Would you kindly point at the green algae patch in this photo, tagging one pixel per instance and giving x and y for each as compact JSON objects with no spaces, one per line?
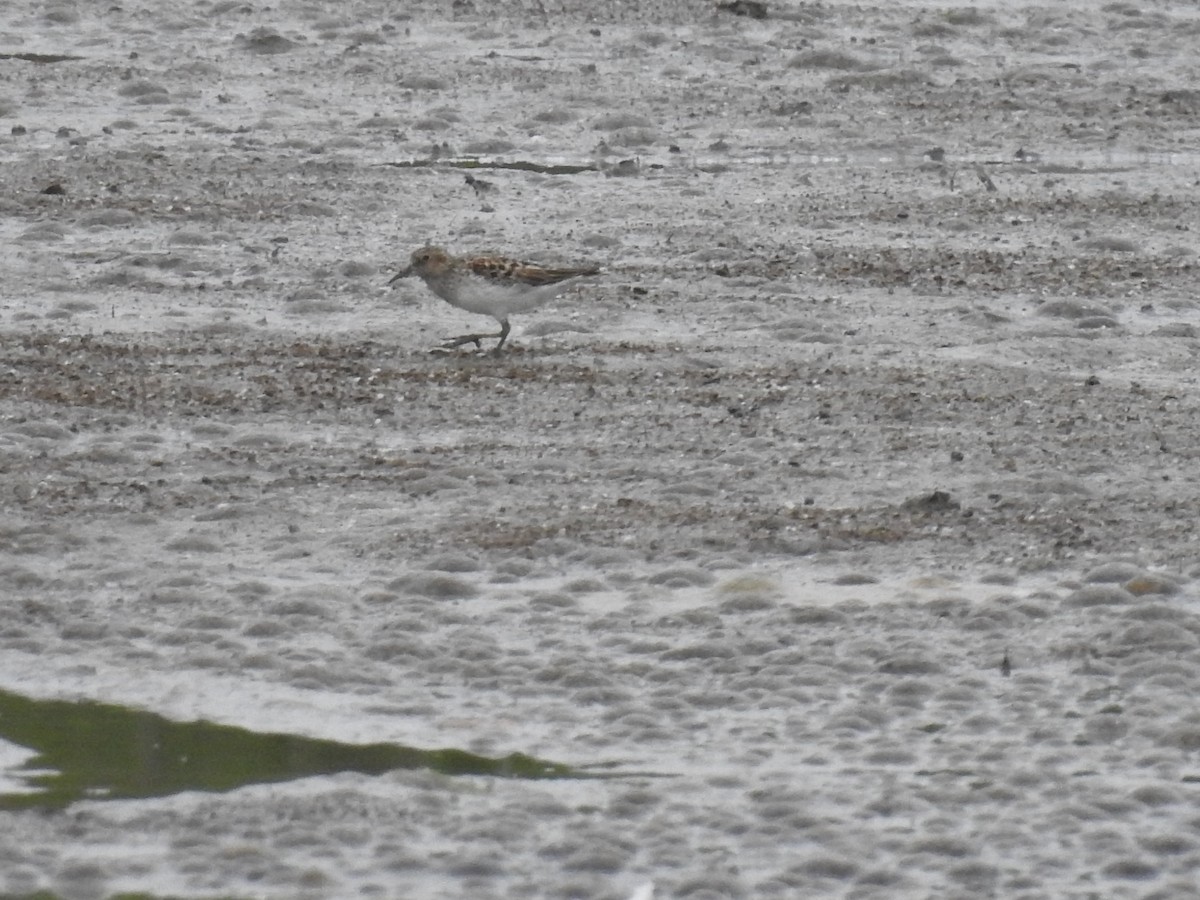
{"x":101,"y":751}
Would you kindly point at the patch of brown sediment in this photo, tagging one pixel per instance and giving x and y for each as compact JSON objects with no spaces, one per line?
{"x":621,"y":449}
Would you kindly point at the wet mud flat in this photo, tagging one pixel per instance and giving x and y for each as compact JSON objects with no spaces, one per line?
{"x":846,"y":523}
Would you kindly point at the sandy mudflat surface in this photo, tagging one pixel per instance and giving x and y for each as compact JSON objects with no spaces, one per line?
{"x":891,"y":369}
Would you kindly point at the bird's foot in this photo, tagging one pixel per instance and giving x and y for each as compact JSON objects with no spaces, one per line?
{"x":451,"y":342}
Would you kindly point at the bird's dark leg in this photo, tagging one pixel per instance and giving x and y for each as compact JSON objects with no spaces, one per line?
{"x":503,"y":336}
{"x":451,"y":343}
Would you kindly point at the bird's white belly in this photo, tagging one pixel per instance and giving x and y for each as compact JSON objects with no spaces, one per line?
{"x":496,"y":300}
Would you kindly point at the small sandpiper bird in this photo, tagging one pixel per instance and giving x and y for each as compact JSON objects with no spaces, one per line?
{"x":493,"y":286}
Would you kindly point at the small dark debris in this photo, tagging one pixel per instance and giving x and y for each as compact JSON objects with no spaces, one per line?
{"x":55,"y":189}
{"x":41,"y":58}
{"x":623,"y":169}
{"x":794,"y":108}
{"x":1185,"y":98}
{"x":935,"y":501}
{"x":1092,"y":381}
{"x":479,"y":186}
{"x":751,"y":9}
{"x":1005,"y":665}
{"x":986,"y":179}
{"x":956,"y":456}
{"x":936,"y":154}
{"x":265,"y":41}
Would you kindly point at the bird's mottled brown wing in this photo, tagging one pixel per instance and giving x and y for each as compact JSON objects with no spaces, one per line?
{"x":499,"y":268}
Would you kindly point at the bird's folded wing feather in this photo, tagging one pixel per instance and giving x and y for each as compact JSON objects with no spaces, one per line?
{"x":498,"y":268}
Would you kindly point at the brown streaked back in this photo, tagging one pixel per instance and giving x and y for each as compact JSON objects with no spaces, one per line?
{"x":499,"y":268}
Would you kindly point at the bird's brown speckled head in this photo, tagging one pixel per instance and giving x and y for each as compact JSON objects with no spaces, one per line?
{"x":427,"y":262}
